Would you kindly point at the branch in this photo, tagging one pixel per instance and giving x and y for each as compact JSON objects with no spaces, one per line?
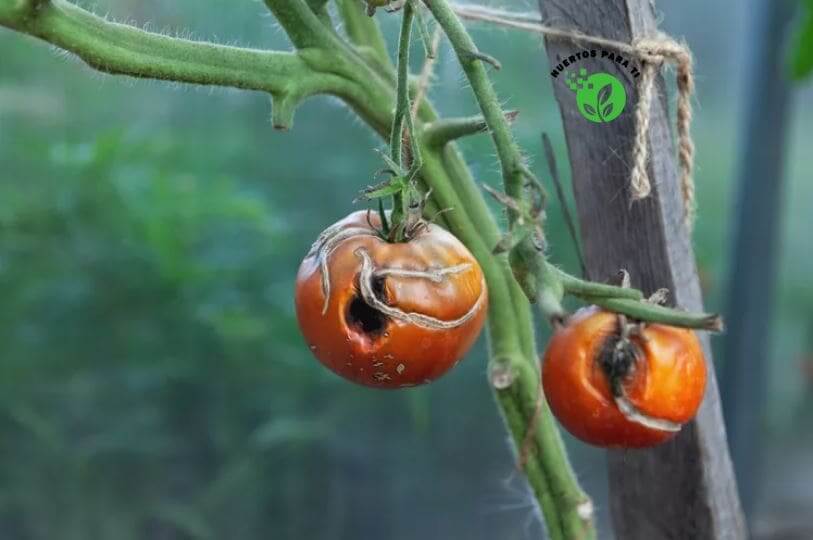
{"x":302,"y":25}
{"x":402,"y":106}
{"x":588,"y":289}
{"x":365,"y":34}
{"x":124,"y":50}
{"x":441,"y":132}
{"x":654,"y":313}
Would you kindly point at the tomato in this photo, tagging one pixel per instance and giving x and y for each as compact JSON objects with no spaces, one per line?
{"x":389,"y":315}
{"x":622,"y":391}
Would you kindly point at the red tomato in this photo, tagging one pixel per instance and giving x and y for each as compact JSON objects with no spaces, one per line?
{"x":389,"y":315}
{"x":622,"y":392}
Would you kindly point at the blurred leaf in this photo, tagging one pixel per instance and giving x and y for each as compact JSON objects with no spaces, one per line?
{"x":802,"y":44}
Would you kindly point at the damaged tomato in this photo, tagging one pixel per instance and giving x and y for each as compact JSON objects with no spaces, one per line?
{"x":389,"y":315}
{"x":618,"y":384}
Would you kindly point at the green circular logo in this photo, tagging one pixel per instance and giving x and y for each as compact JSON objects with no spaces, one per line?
{"x":600,"y":97}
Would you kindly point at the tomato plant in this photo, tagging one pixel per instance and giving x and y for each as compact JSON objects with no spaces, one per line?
{"x":403,"y":307}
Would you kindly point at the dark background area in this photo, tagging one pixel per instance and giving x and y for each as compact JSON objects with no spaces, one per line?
{"x":153,"y":383}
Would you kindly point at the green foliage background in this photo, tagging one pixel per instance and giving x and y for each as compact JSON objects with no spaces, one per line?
{"x":153,"y":383}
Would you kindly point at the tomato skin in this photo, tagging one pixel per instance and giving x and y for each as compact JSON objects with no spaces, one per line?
{"x":359,"y":342}
{"x":667,"y":382}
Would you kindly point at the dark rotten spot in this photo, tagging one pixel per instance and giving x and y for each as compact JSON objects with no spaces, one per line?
{"x":617,"y":359}
{"x":365,"y":318}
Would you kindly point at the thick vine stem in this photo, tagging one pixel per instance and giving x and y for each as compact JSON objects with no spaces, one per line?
{"x":527,"y":263}
{"x":303,"y":25}
{"x":364,"y":33}
{"x":121,"y":49}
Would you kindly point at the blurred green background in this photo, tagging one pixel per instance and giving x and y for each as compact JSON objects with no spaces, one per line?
{"x":153,"y":383}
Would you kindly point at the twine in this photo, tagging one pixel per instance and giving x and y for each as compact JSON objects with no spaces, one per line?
{"x":652,"y":52}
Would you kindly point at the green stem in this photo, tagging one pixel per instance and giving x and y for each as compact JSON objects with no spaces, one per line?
{"x":645,"y":311}
{"x":402,"y":108}
{"x":402,"y":86}
{"x":588,"y":289}
{"x":556,"y":474}
{"x":467,"y":54}
{"x":121,"y":49}
{"x":444,"y":131}
{"x":303,"y":26}
{"x":364,"y":32}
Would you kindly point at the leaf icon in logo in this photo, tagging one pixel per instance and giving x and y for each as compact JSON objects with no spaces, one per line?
{"x":605,"y":101}
{"x":602,"y":99}
{"x":604,"y":94}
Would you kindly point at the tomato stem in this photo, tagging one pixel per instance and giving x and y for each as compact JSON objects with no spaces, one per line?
{"x":649,"y":312}
{"x":404,"y":141}
{"x":588,"y":289}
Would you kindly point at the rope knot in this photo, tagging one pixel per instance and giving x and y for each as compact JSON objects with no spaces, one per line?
{"x":653,"y":52}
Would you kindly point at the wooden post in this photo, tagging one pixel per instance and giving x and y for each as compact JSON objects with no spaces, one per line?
{"x":685,"y":488}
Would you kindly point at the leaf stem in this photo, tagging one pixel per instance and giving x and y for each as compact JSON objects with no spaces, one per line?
{"x":442,"y":132}
{"x":591,"y":290}
{"x":653,"y":313}
{"x":402,"y":112}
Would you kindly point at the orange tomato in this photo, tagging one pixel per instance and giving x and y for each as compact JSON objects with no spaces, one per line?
{"x":629,"y":392}
{"x":389,"y":315}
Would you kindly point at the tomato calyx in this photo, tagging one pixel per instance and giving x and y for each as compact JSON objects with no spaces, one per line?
{"x":400,"y":224}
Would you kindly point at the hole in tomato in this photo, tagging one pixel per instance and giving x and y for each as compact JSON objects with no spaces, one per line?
{"x":617,"y":358}
{"x":366,"y":318}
